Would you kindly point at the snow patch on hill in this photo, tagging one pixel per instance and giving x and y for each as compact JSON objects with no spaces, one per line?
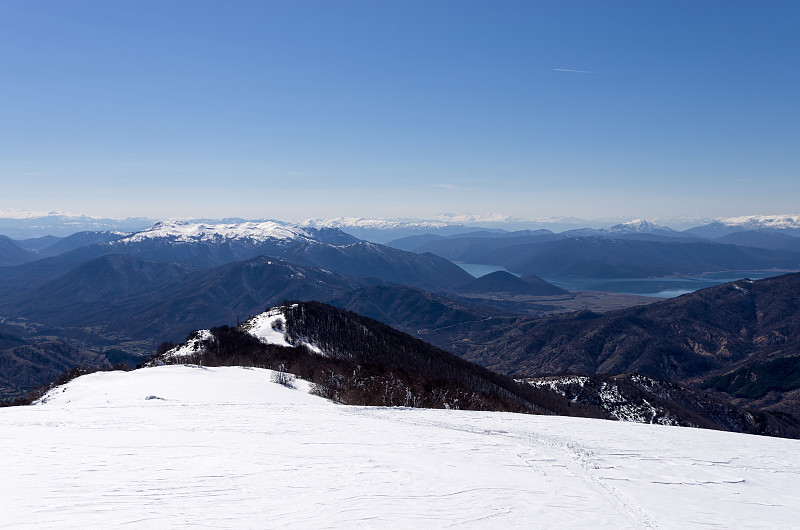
{"x":193,"y":346}
{"x":269,"y":327}
{"x":608,"y":397}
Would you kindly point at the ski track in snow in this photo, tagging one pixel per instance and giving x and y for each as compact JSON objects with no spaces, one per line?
{"x":226,"y":448}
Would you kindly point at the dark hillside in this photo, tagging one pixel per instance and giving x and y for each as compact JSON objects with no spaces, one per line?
{"x":123,"y":297}
{"x":415,"y":308}
{"x":29,"y":366}
{"x":617,"y":258}
{"x":13,"y":254}
{"x":476,"y":249}
{"x":693,"y":337}
{"x":505,"y":282}
{"x":78,"y":240}
{"x":634,"y":397}
{"x":37,"y":243}
{"x":368,"y":363}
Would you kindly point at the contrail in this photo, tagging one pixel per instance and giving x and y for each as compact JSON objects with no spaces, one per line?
{"x":573,"y":71}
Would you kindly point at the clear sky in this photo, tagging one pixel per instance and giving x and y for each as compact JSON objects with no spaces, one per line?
{"x":400,"y":109}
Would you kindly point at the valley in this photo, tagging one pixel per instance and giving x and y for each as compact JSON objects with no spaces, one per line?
{"x":105,"y":298}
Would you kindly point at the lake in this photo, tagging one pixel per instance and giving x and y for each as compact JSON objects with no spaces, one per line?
{"x":657,"y":287}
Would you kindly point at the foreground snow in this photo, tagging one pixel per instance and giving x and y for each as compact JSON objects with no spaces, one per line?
{"x":226,"y":448}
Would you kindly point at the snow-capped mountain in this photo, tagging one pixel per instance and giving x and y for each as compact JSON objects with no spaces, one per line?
{"x":385,"y":230}
{"x":378,"y":224}
{"x":225,"y":447}
{"x":787,"y":223}
{"x":640,"y":226}
{"x":636,"y":226}
{"x":247,"y":232}
{"x":206,"y":245}
{"x":446,"y":224}
{"x":192,"y":232}
{"x":325,"y":247}
{"x":760,"y":222}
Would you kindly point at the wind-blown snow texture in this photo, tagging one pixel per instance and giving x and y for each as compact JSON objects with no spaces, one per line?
{"x":226,"y":448}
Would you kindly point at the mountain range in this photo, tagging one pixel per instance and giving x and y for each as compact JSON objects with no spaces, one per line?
{"x":122,"y":294}
{"x":204,"y":246}
{"x":610,"y":255}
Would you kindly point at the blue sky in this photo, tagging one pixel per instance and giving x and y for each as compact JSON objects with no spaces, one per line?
{"x":400,"y":109}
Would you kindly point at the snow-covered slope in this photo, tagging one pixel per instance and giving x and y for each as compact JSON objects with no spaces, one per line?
{"x":269,"y":327}
{"x":178,"y":446}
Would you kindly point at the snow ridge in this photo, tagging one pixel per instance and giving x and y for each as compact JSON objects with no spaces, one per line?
{"x":755,"y":222}
{"x":188,"y":232}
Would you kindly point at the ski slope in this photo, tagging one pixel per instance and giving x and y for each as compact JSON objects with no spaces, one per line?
{"x":183,"y":446}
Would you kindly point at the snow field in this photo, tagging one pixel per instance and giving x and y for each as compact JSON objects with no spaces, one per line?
{"x":178,"y":446}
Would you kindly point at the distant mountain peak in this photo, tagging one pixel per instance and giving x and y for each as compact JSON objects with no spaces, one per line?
{"x":187,"y":231}
{"x":635,"y":226}
{"x":639,"y":225}
{"x":13,"y":213}
{"x":379,"y":224}
{"x":786,"y":223}
{"x":755,"y":222}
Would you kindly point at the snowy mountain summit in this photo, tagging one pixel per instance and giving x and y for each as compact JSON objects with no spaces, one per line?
{"x":764,"y":222}
{"x":185,"y":231}
{"x":636,"y":226}
{"x":788,"y":224}
{"x":639,"y":226}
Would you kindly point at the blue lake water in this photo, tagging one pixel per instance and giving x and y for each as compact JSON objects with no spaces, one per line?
{"x":658,"y":287}
{"x":478,"y":270}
